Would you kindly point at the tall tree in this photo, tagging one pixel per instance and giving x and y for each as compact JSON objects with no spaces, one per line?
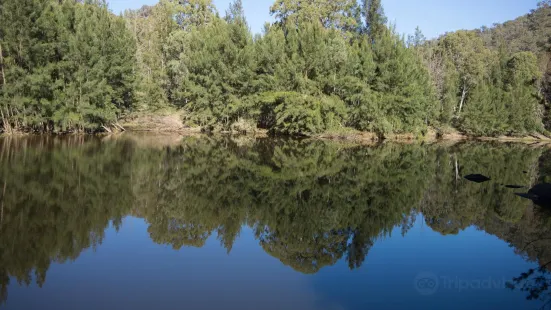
{"x":522,"y":76}
{"x":337,"y":14}
{"x":193,"y":13}
{"x":151,"y":28}
{"x":375,"y":18}
{"x":468,"y":55}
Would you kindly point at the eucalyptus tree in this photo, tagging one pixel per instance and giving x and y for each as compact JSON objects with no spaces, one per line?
{"x":468,"y":54}
{"x":193,"y":13}
{"x":337,"y":14}
{"x":521,"y":79}
{"x":151,"y":28}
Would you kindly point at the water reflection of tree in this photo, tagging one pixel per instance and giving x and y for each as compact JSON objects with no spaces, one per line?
{"x":307,"y":200}
{"x":452,"y":204}
{"x":532,"y":239}
{"x":310,"y":204}
{"x":60,"y":196}
{"x":536,"y":283}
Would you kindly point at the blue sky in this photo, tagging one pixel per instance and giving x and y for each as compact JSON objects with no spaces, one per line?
{"x":434,"y":17}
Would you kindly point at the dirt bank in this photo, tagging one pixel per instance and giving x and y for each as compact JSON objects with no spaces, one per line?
{"x":171,"y":122}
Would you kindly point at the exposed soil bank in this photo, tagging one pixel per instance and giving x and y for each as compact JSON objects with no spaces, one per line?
{"x":170,"y":122}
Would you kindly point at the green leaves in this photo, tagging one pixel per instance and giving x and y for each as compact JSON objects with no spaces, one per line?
{"x":70,"y":70}
{"x":74,"y":66}
{"x":505,"y":101}
{"x":335,"y":14}
{"x":298,"y":114}
{"x":189,"y":14}
{"x":212,"y":71}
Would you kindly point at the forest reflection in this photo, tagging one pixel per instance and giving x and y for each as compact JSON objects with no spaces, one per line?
{"x":310,"y":203}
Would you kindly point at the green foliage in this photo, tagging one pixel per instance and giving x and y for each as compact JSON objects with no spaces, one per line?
{"x":67,"y":65}
{"x":190,"y":14}
{"x":522,"y":76}
{"x":375,"y":19}
{"x":338,"y":14}
{"x":151,"y":27}
{"x":479,"y":80}
{"x":509,"y":90}
{"x":315,"y":69}
{"x":211,"y":69}
{"x":73,"y":66}
{"x":293,"y":113}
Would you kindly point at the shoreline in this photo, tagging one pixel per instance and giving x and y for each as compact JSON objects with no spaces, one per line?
{"x":361,"y":137}
{"x":430,"y":138}
{"x":170,"y":123}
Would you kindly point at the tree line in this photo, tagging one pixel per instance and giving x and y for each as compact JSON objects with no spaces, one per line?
{"x":321,"y":66}
{"x":65,"y":65}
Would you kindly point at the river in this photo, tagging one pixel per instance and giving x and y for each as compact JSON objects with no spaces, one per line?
{"x":212,"y":222}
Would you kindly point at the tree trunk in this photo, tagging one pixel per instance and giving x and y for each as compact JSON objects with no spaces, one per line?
{"x":106,"y":129}
{"x":12,"y":115}
{"x":456,"y":172}
{"x":3,"y":119}
{"x":2,"y":67}
{"x":2,"y":206}
{"x":117,"y":125}
{"x":463,"y":95}
{"x":456,"y":169}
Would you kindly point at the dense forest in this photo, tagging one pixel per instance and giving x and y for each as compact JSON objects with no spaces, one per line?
{"x":73,"y":66}
{"x":213,"y":187}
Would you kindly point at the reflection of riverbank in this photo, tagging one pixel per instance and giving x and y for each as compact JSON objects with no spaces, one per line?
{"x":310,"y":203}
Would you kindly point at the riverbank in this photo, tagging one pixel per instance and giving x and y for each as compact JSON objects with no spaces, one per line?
{"x":171,"y":122}
{"x":430,"y":137}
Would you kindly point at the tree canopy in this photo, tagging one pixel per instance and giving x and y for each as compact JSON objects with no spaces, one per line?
{"x":321,"y":66}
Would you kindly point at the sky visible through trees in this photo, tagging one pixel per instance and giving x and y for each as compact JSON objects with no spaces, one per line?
{"x":438,"y":16}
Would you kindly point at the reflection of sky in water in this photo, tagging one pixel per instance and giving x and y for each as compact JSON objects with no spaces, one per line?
{"x":129,"y":271}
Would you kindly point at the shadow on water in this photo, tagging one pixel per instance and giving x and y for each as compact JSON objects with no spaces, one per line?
{"x":60,"y":194}
{"x":540,"y":195}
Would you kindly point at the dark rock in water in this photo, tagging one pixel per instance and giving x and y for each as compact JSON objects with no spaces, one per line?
{"x":525,"y":172}
{"x":514,"y":186}
{"x":539,"y":194}
{"x":478,"y":178}
{"x":542,"y":191}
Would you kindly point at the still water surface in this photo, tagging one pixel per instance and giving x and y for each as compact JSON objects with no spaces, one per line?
{"x":163,"y":222}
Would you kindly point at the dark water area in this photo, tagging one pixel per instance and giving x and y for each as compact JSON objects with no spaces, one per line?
{"x":162,"y":222}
